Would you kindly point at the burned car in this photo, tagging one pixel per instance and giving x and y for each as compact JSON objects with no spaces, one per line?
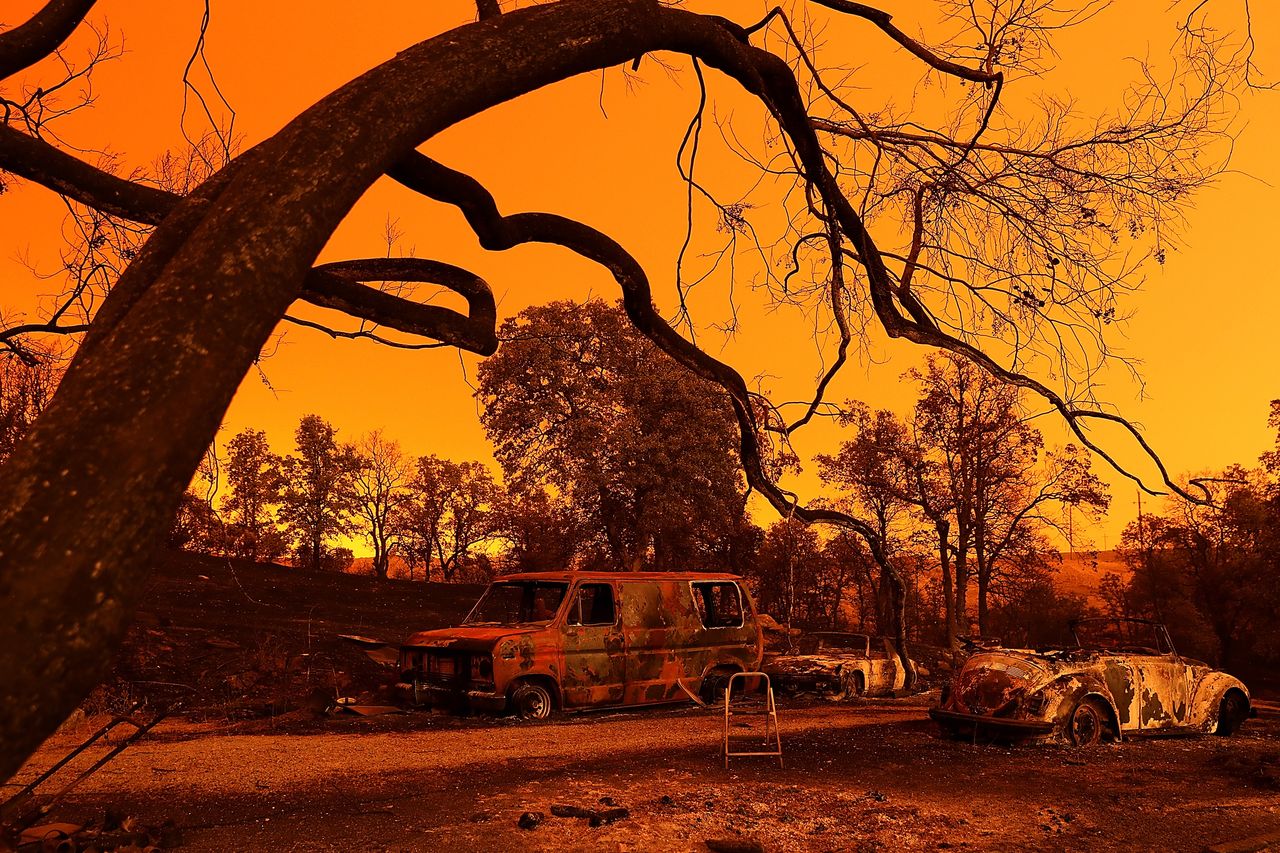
{"x":838,"y":665}
{"x":544,"y":641}
{"x":1121,"y":678}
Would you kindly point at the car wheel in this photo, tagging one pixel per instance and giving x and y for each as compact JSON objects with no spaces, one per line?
{"x":532,"y":701}
{"x":855,"y":685}
{"x":1231,"y":713}
{"x":1085,"y":724}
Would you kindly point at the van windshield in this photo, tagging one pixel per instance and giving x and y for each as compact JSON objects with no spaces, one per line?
{"x":518,"y":603}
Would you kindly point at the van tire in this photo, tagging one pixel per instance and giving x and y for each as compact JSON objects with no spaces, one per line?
{"x":713,"y":686}
{"x":532,"y":701}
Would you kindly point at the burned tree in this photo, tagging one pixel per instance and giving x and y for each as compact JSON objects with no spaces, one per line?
{"x":380,"y":473}
{"x":91,"y":491}
{"x":448,"y":509}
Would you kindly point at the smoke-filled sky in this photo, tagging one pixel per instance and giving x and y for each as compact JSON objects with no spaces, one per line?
{"x":602,"y":148}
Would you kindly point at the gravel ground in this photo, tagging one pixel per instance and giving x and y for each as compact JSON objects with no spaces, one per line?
{"x":868,"y":776}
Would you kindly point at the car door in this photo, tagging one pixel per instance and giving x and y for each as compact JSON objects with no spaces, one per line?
{"x":594,"y":651}
{"x":1163,"y":695}
{"x":893,"y":677}
{"x":1123,"y":680}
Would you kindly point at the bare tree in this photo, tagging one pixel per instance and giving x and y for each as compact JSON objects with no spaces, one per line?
{"x":381,"y":471}
{"x":1001,"y":250}
{"x":28,"y":378}
{"x":449,"y":508}
{"x":971,"y":465}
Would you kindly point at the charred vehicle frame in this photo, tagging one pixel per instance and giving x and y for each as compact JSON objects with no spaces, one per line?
{"x":838,"y":664}
{"x":547,"y":641}
{"x":1123,"y":678}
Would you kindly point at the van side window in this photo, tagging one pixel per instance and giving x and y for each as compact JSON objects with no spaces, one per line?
{"x":719,"y":603}
{"x":593,"y":605}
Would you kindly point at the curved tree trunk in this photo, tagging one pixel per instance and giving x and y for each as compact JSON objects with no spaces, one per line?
{"x":88,"y":496}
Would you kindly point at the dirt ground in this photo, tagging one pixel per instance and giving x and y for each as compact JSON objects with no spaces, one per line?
{"x":248,"y":764}
{"x":869,"y":776}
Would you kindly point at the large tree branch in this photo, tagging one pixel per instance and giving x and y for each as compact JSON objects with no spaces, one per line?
{"x":25,"y":45}
{"x":498,"y":232}
{"x":884,"y":21}
{"x":338,"y":286}
{"x":37,"y":160}
{"x":87,"y":497}
{"x":334,"y":286}
{"x":771,"y":79}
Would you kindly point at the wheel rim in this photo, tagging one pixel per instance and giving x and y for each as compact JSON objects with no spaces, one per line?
{"x":1086,"y":726}
{"x":535,"y":703}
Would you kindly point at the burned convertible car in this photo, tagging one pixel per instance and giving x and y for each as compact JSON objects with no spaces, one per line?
{"x":1123,"y":678}
{"x":838,"y":665}
{"x":543,"y":641}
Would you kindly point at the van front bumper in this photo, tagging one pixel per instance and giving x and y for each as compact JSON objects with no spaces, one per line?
{"x":437,"y":696}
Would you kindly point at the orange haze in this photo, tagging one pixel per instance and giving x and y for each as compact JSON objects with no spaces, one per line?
{"x":605,"y":153}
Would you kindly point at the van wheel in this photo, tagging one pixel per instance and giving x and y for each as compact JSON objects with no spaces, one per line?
{"x":713,"y":686}
{"x":532,"y":701}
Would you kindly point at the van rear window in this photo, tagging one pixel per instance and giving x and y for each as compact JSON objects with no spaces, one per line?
{"x":719,"y":603}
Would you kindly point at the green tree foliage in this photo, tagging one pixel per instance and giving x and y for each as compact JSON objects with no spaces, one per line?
{"x":1212,"y":572}
{"x":815,"y":584}
{"x":318,"y":499}
{"x":197,"y":527}
{"x":255,"y":484}
{"x":577,"y":400}
{"x":540,"y":530}
{"x":1036,"y":615}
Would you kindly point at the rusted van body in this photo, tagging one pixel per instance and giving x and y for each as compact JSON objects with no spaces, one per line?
{"x":568,"y":640}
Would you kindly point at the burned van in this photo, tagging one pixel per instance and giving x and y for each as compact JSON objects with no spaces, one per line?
{"x":545,"y":641}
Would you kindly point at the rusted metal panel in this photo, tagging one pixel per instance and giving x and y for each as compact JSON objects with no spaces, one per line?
{"x":1134,"y":687}
{"x":660,"y":630}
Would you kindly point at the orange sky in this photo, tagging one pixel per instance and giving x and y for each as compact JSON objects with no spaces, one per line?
{"x":1206,"y":350}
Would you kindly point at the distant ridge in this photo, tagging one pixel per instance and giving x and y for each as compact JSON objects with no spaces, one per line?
{"x":1082,"y":571}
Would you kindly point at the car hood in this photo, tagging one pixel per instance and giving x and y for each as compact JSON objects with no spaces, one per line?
{"x":468,"y":638}
{"x":992,"y":682}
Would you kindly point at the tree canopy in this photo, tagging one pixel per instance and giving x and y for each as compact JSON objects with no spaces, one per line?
{"x":578,"y":400}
